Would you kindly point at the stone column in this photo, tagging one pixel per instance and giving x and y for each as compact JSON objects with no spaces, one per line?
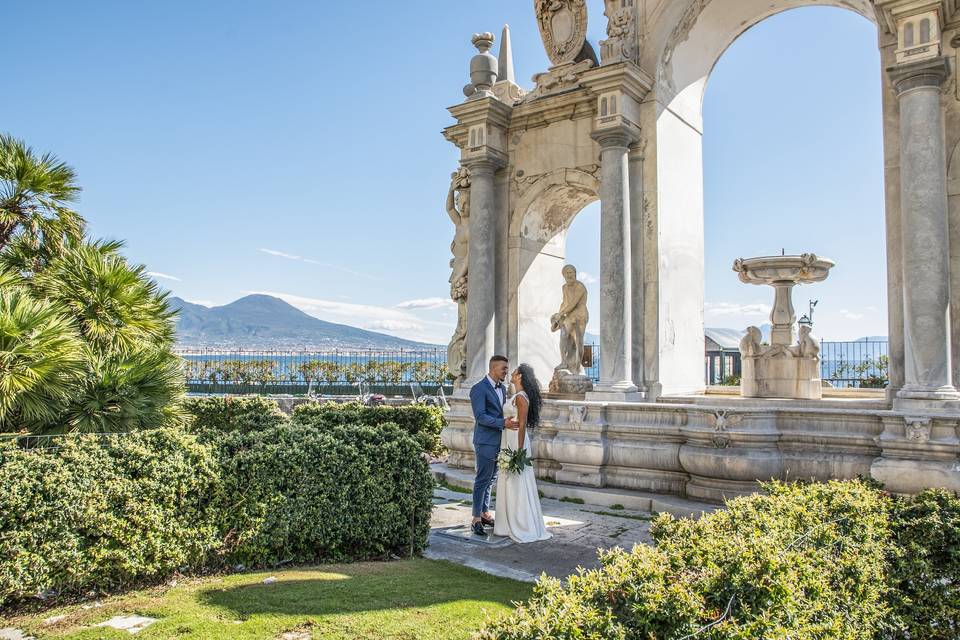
{"x":926,"y":269}
{"x":636,"y":274}
{"x":616,"y":338}
{"x":481,"y":267}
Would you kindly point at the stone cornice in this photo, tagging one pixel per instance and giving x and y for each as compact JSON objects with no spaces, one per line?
{"x":473,"y":112}
{"x":626,"y":77}
{"x":916,"y":75}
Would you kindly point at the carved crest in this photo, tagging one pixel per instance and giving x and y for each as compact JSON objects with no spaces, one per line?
{"x":563,"y":28}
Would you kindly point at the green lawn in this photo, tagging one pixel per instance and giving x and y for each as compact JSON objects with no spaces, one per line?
{"x":417,"y":598}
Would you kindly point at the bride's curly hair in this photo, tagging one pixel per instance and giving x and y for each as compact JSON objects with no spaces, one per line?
{"x":531,"y":387}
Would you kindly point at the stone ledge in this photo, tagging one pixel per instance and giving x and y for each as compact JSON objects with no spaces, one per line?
{"x":602,"y":497}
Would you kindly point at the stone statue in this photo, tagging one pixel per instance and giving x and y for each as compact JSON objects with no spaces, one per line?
{"x":750,"y":343}
{"x":458,"y":208}
{"x":571,"y":322}
{"x":808,"y":346}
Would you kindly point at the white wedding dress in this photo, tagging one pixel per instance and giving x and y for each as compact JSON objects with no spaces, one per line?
{"x":518,"y":514}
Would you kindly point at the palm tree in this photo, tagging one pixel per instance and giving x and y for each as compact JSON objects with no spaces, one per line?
{"x":34,"y":196}
{"x":117,"y":306}
{"x":126,"y":391}
{"x":41,"y":358}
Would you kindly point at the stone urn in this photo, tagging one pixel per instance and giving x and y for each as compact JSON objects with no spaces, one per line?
{"x":784,"y":368}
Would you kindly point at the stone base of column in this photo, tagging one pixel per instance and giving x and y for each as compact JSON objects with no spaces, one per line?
{"x":919,"y":399}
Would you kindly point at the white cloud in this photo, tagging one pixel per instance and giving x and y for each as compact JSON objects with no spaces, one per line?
{"x":734,"y":309}
{"x":871,"y":308}
{"x":586,"y":278}
{"x":390,"y":320}
{"x":428,"y":303}
{"x":162,"y":276}
{"x":851,"y":315}
{"x":280,"y":254}
{"x":290,"y":256}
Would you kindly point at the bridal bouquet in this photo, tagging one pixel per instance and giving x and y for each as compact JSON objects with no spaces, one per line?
{"x":513,"y":460}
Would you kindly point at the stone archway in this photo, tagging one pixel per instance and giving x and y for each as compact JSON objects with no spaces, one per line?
{"x":537,"y":157}
{"x":546,"y":206}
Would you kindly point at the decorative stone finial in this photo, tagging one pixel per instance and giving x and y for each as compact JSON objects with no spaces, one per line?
{"x":505,"y":59}
{"x":483,"y":68}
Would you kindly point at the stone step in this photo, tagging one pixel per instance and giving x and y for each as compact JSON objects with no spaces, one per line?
{"x":601,"y":497}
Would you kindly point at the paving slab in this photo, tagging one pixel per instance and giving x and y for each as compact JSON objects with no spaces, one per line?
{"x":132,"y":624}
{"x":577,"y":530}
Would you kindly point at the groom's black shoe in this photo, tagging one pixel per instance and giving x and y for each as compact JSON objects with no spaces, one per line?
{"x":478,"y":528}
{"x":486,"y":521}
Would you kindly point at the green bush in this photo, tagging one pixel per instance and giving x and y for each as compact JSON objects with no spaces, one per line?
{"x":422,"y":422}
{"x":103,"y":514}
{"x":215,"y":416}
{"x":296,"y":493}
{"x":803,"y":562}
{"x":925,"y":567}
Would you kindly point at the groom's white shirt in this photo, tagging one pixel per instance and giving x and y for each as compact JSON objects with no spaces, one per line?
{"x":501,"y":392}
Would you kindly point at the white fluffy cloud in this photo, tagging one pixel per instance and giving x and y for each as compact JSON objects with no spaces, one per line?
{"x":163,"y":276}
{"x":587,"y":278}
{"x":734,"y":309}
{"x":428,"y":303}
{"x":846,"y":313}
{"x":390,"y":320}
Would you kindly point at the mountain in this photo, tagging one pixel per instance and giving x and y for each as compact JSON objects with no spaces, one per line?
{"x":265,"y":322}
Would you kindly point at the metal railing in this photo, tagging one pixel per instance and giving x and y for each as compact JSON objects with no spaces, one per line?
{"x":337,"y":372}
{"x":860,"y":364}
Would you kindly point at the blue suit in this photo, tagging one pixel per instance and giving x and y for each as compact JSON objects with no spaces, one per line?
{"x":488,"y":413}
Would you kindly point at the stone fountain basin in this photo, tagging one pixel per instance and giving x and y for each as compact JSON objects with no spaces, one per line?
{"x":801,"y":269}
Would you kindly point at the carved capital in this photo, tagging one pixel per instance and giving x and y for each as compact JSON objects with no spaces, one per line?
{"x":917,"y":75}
{"x":484,"y":164}
{"x":616,"y":137}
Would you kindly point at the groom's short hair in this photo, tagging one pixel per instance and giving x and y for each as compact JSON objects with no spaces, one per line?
{"x":498,"y":359}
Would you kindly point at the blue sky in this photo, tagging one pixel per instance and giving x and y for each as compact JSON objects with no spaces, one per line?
{"x":294,"y":148}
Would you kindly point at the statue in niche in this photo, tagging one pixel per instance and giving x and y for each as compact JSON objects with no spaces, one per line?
{"x":458,"y":208}
{"x":571,"y":322}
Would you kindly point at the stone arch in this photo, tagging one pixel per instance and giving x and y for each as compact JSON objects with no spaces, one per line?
{"x":685,"y":45}
{"x":545,"y":207}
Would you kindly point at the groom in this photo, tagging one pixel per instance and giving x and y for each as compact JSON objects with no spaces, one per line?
{"x":487,"y":398}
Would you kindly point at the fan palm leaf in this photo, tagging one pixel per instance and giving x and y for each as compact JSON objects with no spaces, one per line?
{"x":41,"y":359}
{"x":125,"y":391}
{"x":35,"y":194}
{"x":117,"y":306}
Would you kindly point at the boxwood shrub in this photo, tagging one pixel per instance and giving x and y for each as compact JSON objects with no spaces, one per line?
{"x":422,"y":422}
{"x":925,"y":567}
{"x":803,"y":562}
{"x":297,"y":493}
{"x":103,"y":514}
{"x":214,"y":416}
{"x":255,"y":489}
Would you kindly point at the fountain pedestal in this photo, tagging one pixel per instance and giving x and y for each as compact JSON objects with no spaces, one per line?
{"x":781,"y":369}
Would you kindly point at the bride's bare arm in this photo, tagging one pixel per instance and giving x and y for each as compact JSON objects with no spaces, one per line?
{"x":522,"y":406}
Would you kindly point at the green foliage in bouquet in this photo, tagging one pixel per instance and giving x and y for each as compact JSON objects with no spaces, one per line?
{"x":514,"y":460}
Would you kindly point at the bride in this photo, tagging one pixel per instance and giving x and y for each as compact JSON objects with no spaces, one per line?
{"x":518,"y":512}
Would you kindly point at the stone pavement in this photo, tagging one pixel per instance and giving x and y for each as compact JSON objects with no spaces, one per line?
{"x":578,"y":531}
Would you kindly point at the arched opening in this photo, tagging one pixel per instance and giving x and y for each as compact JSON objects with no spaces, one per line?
{"x":546,"y":210}
{"x":786,"y":170}
{"x":687,"y":61}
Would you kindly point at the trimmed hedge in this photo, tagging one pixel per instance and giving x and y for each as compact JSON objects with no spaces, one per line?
{"x":103,"y":515}
{"x":215,"y":416}
{"x":106,"y":515}
{"x":925,"y":567}
{"x":422,"y":422}
{"x":295,"y":493}
{"x":803,"y":562}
